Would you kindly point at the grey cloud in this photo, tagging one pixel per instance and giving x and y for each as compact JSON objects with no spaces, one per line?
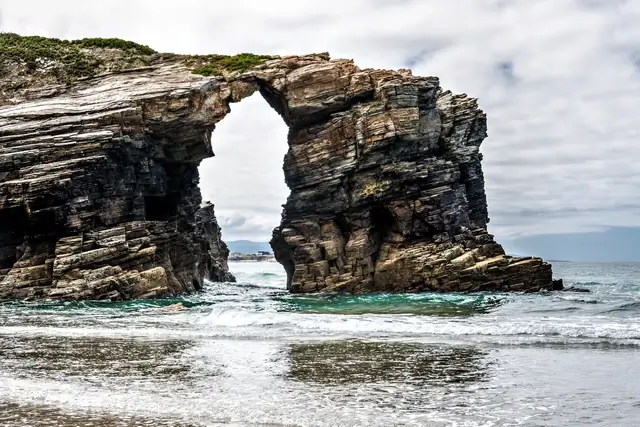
{"x":233,"y":222}
{"x":506,"y":71}
{"x":603,"y":3}
{"x":390,"y":3}
{"x":424,"y":53}
{"x":414,"y":60}
{"x":635,"y":59}
{"x":238,"y":226}
{"x":567,"y":211}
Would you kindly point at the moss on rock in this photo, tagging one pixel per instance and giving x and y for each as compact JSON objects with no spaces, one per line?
{"x":215,"y":64}
{"x":113,"y":43}
{"x":63,"y":59}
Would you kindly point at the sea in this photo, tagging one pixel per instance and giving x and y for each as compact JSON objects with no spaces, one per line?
{"x":250,"y":354}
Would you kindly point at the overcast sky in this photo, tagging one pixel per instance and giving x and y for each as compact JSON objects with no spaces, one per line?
{"x":559,"y":80}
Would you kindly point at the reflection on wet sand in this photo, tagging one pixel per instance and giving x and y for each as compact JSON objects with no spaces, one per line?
{"x":342,"y":362}
{"x":87,"y":357}
{"x":15,"y":415}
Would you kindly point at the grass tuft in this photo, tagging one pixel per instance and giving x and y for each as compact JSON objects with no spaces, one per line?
{"x":215,"y":64}
{"x":62,"y":59}
{"x":113,"y":43}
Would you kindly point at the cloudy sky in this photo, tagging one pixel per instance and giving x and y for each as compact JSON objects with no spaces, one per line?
{"x":559,"y":80}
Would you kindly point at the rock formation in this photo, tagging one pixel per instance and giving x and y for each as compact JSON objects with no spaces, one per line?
{"x":99,"y":192}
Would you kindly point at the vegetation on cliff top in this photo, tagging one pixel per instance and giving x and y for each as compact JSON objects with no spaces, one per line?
{"x":29,"y":60}
{"x":64,"y":59}
{"x":214,"y":64}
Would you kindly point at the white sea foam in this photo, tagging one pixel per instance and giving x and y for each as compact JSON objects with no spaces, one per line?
{"x":249,"y":354}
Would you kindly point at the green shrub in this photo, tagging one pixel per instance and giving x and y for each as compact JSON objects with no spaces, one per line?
{"x":113,"y":43}
{"x":64,"y":59}
{"x":215,"y":64}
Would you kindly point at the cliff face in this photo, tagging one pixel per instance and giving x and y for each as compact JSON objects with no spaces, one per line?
{"x":99,"y":189}
{"x":387,"y":190}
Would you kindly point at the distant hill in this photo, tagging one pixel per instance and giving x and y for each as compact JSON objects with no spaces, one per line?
{"x":248,"y":247}
{"x":618,"y":244}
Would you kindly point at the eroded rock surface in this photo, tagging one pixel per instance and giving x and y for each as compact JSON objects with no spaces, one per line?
{"x":99,"y":189}
{"x":387,"y":190}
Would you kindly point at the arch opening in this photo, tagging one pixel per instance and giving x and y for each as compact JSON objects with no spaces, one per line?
{"x":245,"y":178}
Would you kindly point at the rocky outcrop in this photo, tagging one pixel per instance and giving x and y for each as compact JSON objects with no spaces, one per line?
{"x":215,"y":267}
{"x":387,"y":190}
{"x":99,"y":189}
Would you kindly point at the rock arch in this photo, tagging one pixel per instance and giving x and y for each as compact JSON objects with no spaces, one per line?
{"x":384,"y":168}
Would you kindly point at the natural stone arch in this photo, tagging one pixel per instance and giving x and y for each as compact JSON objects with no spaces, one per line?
{"x":387,"y":192}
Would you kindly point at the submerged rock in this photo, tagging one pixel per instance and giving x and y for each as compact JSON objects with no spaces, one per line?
{"x":99,"y":194}
{"x":558,"y":285}
{"x":574,"y":289}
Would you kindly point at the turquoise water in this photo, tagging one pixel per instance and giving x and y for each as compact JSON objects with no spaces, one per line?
{"x":251,"y":354}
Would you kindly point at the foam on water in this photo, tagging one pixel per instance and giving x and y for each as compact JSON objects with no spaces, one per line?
{"x":259,"y":307}
{"x":249,"y":353}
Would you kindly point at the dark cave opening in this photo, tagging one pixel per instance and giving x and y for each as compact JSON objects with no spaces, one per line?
{"x":13,"y":225}
{"x":162,"y":208}
{"x":381,"y":226}
{"x":382,"y":222}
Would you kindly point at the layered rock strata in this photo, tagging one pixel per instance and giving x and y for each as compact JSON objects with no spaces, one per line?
{"x":99,"y":194}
